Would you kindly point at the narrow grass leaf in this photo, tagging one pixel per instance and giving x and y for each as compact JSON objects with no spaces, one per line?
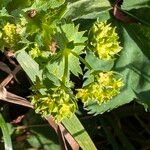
{"x":76,"y":129}
{"x":6,"y":136}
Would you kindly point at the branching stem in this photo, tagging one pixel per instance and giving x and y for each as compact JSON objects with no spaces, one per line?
{"x":82,"y":60}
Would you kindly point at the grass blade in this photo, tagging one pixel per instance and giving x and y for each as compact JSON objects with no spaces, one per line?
{"x":6,"y":136}
{"x":76,"y":129}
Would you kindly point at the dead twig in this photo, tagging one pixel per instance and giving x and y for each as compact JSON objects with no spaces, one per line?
{"x":10,"y":97}
{"x":72,"y":142}
{"x":63,"y":135}
{"x":6,"y":69}
{"x":9,"y":54}
{"x":60,"y":135}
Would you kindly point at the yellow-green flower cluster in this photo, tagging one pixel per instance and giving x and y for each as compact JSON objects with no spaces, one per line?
{"x":35,"y":51}
{"x":103,"y":40}
{"x":103,"y":89}
{"x":10,"y":35}
{"x":58,"y":104}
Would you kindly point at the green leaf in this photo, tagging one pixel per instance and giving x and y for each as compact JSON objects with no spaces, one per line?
{"x":134,"y":4}
{"x":17,"y":4}
{"x":71,"y":41}
{"x":44,"y":5}
{"x":123,"y":98}
{"x":138,"y":9}
{"x":87,"y":9}
{"x":72,"y":34}
{"x":133,"y":58}
{"x":4,"y":3}
{"x":133,"y":65}
{"x":143,"y":99}
{"x":74,"y":65}
{"x":4,"y":13}
{"x":29,"y":65}
{"x":6,"y":136}
{"x":42,"y":137}
{"x":141,"y":14}
{"x":56,"y":68}
{"x":76,"y":129}
{"x":98,"y":64}
{"x":141,"y":35}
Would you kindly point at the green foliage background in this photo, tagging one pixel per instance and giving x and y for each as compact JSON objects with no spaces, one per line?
{"x":68,"y":23}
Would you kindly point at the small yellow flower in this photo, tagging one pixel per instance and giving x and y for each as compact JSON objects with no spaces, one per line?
{"x":65,"y":110}
{"x":58,"y":104}
{"x":35,"y":51}
{"x":10,"y":35}
{"x":103,"y":40}
{"x":82,"y":93}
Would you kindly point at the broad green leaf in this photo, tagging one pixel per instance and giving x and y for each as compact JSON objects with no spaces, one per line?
{"x":141,"y":14}
{"x":134,"y":4}
{"x":133,"y":58}
{"x":76,"y":129}
{"x":141,"y":35}
{"x":73,"y":125}
{"x":133,"y":65}
{"x":6,"y":136}
{"x":138,"y":9}
{"x":87,"y":9}
{"x":98,"y":64}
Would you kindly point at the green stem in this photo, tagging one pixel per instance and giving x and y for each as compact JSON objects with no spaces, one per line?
{"x":82,"y":60}
{"x":65,"y":70}
{"x":80,"y":44}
